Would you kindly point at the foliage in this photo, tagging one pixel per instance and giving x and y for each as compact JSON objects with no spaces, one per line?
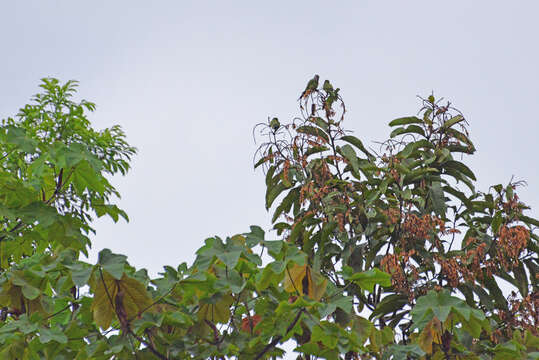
{"x":379,"y":256}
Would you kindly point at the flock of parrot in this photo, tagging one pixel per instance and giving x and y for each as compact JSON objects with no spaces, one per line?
{"x":311,"y":87}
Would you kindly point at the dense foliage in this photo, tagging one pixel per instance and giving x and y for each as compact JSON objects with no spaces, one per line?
{"x":386,"y":254}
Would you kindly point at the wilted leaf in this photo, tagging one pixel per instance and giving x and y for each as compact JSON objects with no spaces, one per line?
{"x":216,"y":309}
{"x":135,"y":298}
{"x":293,"y":280}
{"x":317,"y":285}
{"x":431,"y":334}
{"x":103,"y":301}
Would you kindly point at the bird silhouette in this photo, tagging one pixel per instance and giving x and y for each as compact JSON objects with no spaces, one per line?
{"x":312,"y":85}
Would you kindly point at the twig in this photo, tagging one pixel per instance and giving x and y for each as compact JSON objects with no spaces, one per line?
{"x":278,"y":338}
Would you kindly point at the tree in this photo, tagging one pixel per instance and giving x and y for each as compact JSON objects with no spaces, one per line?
{"x":379,"y":256}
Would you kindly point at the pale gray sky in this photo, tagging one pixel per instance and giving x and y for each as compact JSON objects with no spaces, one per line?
{"x":188,"y":80}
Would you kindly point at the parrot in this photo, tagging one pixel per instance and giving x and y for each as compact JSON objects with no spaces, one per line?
{"x":311,"y":86}
{"x":327,"y":86}
{"x":275,"y":124}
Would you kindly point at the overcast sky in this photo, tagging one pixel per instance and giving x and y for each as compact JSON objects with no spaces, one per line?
{"x":188,"y":81}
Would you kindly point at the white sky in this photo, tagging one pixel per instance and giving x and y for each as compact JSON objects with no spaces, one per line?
{"x":188,"y":81}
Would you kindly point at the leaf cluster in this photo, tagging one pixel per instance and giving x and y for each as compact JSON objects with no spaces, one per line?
{"x":375,"y":254}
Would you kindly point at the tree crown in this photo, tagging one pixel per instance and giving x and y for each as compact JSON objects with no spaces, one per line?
{"x":387,"y":253}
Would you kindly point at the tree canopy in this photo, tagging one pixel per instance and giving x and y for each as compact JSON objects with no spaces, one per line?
{"x":385,"y":253}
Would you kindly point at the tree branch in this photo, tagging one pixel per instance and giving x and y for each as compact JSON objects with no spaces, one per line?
{"x":278,"y":338}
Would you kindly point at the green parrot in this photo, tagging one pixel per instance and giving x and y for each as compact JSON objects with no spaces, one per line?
{"x":275,"y":124}
{"x":312,"y":85}
{"x":327,"y":86}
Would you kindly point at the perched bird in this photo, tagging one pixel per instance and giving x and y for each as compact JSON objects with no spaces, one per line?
{"x":275,"y":124}
{"x":327,"y":86}
{"x":312,"y":85}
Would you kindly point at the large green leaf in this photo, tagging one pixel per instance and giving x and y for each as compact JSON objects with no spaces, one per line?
{"x":18,"y":136}
{"x":460,"y":167}
{"x":85,"y":177}
{"x":440,"y":304}
{"x":357,"y":143}
{"x":406,"y":120}
{"x":114,"y":264}
{"x":389,"y":304}
{"x":46,"y":335}
{"x":454,"y":120}
{"x":412,"y":129}
{"x":273,"y":192}
{"x":367,"y":279}
{"x":438,"y":198}
{"x":313,"y":131}
{"x":403,"y":352}
{"x":350,"y":155}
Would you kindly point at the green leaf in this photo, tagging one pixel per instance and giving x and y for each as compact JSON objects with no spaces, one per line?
{"x":108,"y":209}
{"x":350,"y":155}
{"x":274,"y":247}
{"x":216,"y":309}
{"x":419,"y":173}
{"x":460,"y":167}
{"x":403,"y":352}
{"x":461,"y":137}
{"x":230,"y":258}
{"x":286,"y":204}
{"x":85,"y":177}
{"x":273,"y":192}
{"x":320,"y":123}
{"x":76,"y":153}
{"x":529,"y":220}
{"x":343,"y":302}
{"x":521,"y":279}
{"x":261,"y":161}
{"x":255,"y":236}
{"x":362,"y":327}
{"x":408,"y":130}
{"x":112,"y":263}
{"x":496,"y":222}
{"x":38,"y":211}
{"x":28,"y":285}
{"x":440,"y":305}
{"x":438,"y":198}
{"x":389,"y":304}
{"x":314,"y":150}
{"x":80,"y":273}
{"x":367,"y":279}
{"x":406,"y":120}
{"x":437,"y":304}
{"x":454,"y":120}
{"x":495,"y":292}
{"x":17,"y":136}
{"x":357,"y":143}
{"x":508,"y":350}
{"x":484,"y":298}
{"x":326,"y":333}
{"x":127,"y":296}
{"x":458,"y":194}
{"x":313,"y":131}
{"x":46,"y":335}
